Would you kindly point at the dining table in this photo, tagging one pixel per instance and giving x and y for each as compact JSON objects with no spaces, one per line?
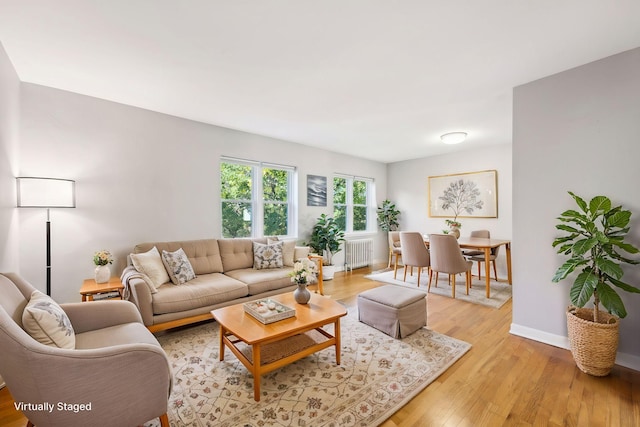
{"x":485,"y":245}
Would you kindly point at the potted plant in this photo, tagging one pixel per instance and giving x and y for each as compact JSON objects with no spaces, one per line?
{"x":596,"y":248}
{"x":388,"y":216}
{"x":326,"y":238}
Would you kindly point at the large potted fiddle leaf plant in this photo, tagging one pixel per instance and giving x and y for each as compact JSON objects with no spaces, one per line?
{"x":326,"y":239}
{"x":596,"y":247}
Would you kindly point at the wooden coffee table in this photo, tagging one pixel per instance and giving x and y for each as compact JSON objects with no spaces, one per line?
{"x":264,"y":348}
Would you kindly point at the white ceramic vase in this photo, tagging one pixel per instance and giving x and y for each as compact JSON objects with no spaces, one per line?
{"x":102,"y":274}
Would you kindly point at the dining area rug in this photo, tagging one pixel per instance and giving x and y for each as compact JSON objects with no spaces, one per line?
{"x":377,"y":376}
{"x":500,"y":291}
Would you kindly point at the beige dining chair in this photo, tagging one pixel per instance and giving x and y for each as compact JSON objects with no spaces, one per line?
{"x":395,"y":250}
{"x":446,"y":257}
{"x":492,"y":259}
{"x":485,"y":234}
{"x":414,"y":252}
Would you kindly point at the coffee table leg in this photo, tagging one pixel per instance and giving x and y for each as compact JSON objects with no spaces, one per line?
{"x":222,"y":332}
{"x":256,"y":372}
{"x":336,"y":334}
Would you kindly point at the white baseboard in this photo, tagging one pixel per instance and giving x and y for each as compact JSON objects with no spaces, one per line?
{"x":623,"y":359}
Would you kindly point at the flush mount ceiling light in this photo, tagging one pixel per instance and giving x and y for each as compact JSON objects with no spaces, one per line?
{"x":453,"y":137}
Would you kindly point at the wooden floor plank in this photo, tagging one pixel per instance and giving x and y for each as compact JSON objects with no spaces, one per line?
{"x":504,"y":380}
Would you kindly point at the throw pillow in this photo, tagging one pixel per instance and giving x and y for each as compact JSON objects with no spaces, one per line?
{"x":150,"y":263}
{"x":301,"y":252}
{"x":178,"y":266}
{"x":267,"y":256}
{"x":288,"y":249}
{"x":47,"y":322}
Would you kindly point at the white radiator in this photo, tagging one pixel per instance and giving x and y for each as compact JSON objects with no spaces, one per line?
{"x":358,"y":253}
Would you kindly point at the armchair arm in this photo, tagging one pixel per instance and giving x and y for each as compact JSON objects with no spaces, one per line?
{"x":318,"y":259}
{"x":100,"y":314}
{"x":126,"y":384}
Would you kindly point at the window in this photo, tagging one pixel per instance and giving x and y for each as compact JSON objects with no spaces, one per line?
{"x":352,"y":201}
{"x":250,"y":190}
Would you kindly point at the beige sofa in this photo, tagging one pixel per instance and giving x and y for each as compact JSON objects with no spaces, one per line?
{"x":225,"y":275}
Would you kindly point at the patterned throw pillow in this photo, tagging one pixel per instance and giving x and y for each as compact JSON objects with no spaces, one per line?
{"x":47,"y":323}
{"x":267,"y":256}
{"x":288,"y":248}
{"x":150,"y":263}
{"x":178,"y":266}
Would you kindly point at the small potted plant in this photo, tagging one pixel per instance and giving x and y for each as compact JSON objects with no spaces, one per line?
{"x":388,"y":216}
{"x":596,"y":248}
{"x":326,"y":239}
{"x":454,"y":227}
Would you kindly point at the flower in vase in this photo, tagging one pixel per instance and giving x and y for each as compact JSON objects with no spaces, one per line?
{"x":103,"y":257}
{"x":304,"y":271}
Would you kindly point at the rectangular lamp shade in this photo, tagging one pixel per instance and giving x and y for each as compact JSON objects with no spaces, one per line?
{"x":46,"y":193}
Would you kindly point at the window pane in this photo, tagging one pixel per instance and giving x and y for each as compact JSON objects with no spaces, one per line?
{"x":236,"y":219}
{"x":275,"y":184}
{"x":340,"y":215}
{"x":275,"y":219}
{"x":359,"y":192}
{"x":359,"y":218}
{"x":235,"y":181}
{"x":339,"y":190}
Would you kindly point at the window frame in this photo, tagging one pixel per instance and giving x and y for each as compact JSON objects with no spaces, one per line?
{"x":257,"y":196}
{"x":349,"y":203}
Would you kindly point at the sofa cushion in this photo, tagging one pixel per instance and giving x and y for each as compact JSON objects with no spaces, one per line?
{"x":267,"y":256}
{"x":237,"y":253}
{"x":150,"y":263}
{"x":288,"y":250}
{"x":259,"y":281}
{"x":204,"y":254}
{"x":204,"y":290}
{"x":47,"y":322}
{"x":178,"y":266}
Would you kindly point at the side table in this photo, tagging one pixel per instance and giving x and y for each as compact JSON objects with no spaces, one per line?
{"x":90,"y":288}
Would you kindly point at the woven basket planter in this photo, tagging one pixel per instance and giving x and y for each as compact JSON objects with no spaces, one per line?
{"x":593,"y":345}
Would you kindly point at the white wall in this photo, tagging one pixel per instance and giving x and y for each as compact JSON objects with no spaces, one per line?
{"x":408,"y":183}
{"x":9,"y":123}
{"x":574,"y":131}
{"x":140,"y":176}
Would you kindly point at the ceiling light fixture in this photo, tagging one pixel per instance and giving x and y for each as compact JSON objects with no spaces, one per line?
{"x":453,"y":137}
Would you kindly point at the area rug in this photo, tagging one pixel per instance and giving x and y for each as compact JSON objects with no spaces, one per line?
{"x":500,"y":291}
{"x":376,"y":377}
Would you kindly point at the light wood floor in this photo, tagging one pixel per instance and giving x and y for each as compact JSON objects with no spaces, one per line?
{"x":502,"y":380}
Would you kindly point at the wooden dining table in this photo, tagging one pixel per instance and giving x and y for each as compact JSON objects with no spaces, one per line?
{"x":485,"y":245}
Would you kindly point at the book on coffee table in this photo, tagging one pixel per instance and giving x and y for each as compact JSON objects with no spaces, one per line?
{"x":268,"y":311}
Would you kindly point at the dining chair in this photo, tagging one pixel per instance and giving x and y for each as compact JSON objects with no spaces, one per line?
{"x":492,"y":258}
{"x":446,"y":257}
{"x":395,"y":250}
{"x":414,"y":252}
{"x":485,"y":234}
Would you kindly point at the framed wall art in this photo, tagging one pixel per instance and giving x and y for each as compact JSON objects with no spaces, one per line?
{"x":316,"y":190}
{"x":464,"y":195}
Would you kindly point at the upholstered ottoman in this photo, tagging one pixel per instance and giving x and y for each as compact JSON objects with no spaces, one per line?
{"x":393,"y":310}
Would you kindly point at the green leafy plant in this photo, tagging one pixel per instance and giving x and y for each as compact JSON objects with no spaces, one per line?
{"x":388,"y":216}
{"x":595,"y":245}
{"x":326,"y":238}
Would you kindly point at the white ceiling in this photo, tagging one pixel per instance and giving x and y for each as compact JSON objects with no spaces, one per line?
{"x":378,"y":79}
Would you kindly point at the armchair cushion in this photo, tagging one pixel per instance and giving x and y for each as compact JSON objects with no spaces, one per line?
{"x":47,"y":322}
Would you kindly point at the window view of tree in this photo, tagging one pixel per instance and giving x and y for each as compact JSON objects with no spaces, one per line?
{"x":239,"y":183}
{"x":275,"y":189}
{"x":351,"y":203}
{"x":236,"y":188}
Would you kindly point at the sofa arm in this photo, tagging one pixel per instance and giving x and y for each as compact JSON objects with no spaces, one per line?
{"x":100,"y":314}
{"x":140,"y":295}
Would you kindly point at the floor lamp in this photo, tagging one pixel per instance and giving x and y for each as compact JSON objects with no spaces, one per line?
{"x":46,"y":193}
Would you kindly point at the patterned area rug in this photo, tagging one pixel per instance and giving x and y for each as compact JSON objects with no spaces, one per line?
{"x":377,"y":376}
{"x":500,"y":291}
